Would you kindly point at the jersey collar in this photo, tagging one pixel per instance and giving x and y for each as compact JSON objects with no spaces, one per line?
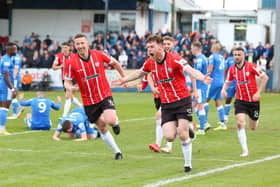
{"x":85,"y":60}
{"x":241,"y":66}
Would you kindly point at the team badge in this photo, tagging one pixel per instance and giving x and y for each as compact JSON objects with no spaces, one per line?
{"x":247,"y":74}
{"x":97,"y":64}
{"x":169,"y":69}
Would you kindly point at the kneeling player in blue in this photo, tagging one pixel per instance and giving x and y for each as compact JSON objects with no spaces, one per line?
{"x":41,"y":108}
{"x":77,"y":125}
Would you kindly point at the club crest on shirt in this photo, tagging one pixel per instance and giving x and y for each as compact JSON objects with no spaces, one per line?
{"x":169,"y":69}
{"x":97,"y":64}
{"x":247,"y":74}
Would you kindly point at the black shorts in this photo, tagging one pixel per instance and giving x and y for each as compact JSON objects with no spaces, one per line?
{"x":252,"y":109}
{"x":73,"y":82}
{"x":94,"y":111}
{"x":157,"y":103}
{"x":181,"y":109}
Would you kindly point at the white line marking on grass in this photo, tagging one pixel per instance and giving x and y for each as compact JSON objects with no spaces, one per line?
{"x":211,"y":171}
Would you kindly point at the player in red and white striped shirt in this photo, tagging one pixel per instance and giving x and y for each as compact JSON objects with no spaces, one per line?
{"x":247,"y":94}
{"x":59,"y":63}
{"x":167,"y":68}
{"x":88,"y":70}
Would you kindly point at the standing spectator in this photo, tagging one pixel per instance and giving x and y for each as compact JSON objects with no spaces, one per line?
{"x":48,"y":41}
{"x":261,"y":63}
{"x":46,"y":60}
{"x":26,"y":81}
{"x":30,"y":53}
{"x":27,"y":40}
{"x":123,"y":59}
{"x":260,"y":50}
{"x":38,"y":42}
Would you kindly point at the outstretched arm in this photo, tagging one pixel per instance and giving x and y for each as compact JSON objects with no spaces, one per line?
{"x":197,"y":74}
{"x":133,"y":76}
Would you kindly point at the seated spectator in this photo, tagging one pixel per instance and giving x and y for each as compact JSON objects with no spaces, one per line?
{"x":46,"y":60}
{"x":26,"y":81}
{"x":39,"y":119}
{"x":35,"y":63}
{"x":45,"y":82}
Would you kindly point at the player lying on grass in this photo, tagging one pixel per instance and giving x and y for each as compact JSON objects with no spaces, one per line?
{"x":76,"y":125}
{"x":41,"y":106}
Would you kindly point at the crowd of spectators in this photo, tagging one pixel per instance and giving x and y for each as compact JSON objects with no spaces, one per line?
{"x":130,"y":49}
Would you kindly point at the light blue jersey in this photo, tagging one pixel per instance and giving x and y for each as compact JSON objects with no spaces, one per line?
{"x":17,"y":63}
{"x":79,"y":121}
{"x":230,"y":62}
{"x":6,"y":64}
{"x":217,"y":60}
{"x":41,"y":108}
{"x":201,"y":65}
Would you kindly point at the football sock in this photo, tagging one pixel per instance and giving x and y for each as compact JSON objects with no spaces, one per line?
{"x":3,"y":117}
{"x":169,"y":144}
{"x":187,"y":152}
{"x":206,"y":108}
{"x":159,"y":133}
{"x":15,"y":106}
{"x":242,"y":139}
{"x":221,"y":113}
{"x":76,"y":102}
{"x":67,"y":107}
{"x":108,"y":138}
{"x":227,"y":110}
{"x":202,"y":119}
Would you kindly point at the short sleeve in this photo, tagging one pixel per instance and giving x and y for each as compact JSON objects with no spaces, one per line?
{"x":68,"y":71}
{"x":6,"y":65}
{"x":257,"y":70}
{"x":56,"y":60}
{"x":179,"y":61}
{"x":146,"y":68}
{"x":230,"y":75}
{"x":104,"y":56}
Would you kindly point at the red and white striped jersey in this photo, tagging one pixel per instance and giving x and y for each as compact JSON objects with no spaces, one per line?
{"x":90,"y":76}
{"x":61,"y":59}
{"x":246,"y":84}
{"x":169,"y":77}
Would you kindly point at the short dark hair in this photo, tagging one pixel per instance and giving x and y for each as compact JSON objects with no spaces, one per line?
{"x":239,"y":49}
{"x":66,"y":43}
{"x":11,"y":44}
{"x":168,"y":38}
{"x":80,"y":36}
{"x":197,"y":44}
{"x":66,"y":125}
{"x":154,"y":38}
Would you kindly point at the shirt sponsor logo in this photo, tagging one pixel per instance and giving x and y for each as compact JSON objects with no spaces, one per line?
{"x":93,"y":76}
{"x":166,"y":80}
{"x":243,"y":82}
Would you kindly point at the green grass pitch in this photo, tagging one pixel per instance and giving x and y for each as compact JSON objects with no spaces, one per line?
{"x":34,"y":159}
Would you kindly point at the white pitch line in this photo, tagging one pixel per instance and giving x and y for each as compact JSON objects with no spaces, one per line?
{"x":33,"y":131}
{"x":211,"y":171}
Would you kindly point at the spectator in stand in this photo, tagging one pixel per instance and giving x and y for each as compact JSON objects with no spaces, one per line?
{"x":30,"y":53}
{"x":260,"y":49}
{"x":46,"y":60}
{"x":26,"y":81}
{"x":45,"y":82}
{"x":56,"y":49}
{"x":261,"y":62}
{"x":139,"y":59}
{"x":123,"y":59}
{"x":27,"y":40}
{"x":48,"y":41}
{"x":251,"y":57}
{"x":38,"y":42}
{"x":112,"y":39}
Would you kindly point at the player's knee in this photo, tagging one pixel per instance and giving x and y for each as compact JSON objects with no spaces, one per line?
{"x":240,"y":124}
{"x":90,"y":136}
{"x":169,"y":138}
